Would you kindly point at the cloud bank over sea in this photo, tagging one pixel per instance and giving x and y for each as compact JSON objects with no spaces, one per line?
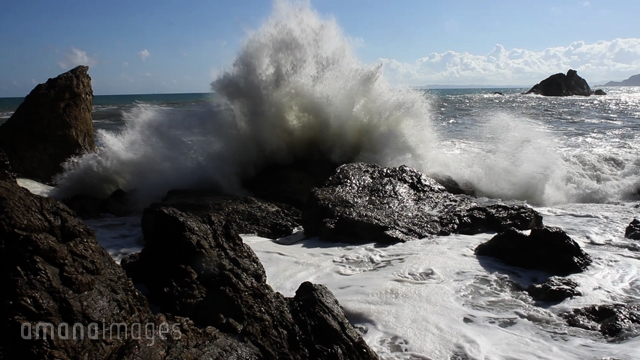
{"x":597,"y":62}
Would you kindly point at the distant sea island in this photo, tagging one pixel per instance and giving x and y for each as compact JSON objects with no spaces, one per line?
{"x":632,"y":81}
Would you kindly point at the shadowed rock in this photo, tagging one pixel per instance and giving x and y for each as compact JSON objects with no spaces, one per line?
{"x":562,"y":85}
{"x":547,"y":249}
{"x":613,"y":320}
{"x":247,"y":215}
{"x":368,"y":203}
{"x":54,"y":271}
{"x":64,"y":297}
{"x":199,"y":267}
{"x":50,"y":126}
{"x":633,"y":230}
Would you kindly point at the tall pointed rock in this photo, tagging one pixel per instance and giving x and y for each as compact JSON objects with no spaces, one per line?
{"x":51,"y":125}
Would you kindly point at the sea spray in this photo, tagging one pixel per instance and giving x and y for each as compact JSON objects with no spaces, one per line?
{"x":296,"y":91}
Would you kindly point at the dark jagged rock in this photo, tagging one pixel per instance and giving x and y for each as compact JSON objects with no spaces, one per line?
{"x":615,"y":320}
{"x":548,"y":249}
{"x":290,"y":184}
{"x":599,"y":92}
{"x":498,"y":217}
{"x":6,"y":174}
{"x":327,"y":333}
{"x":51,"y":125}
{"x":54,"y":271}
{"x":369,"y":203}
{"x":452,"y":186}
{"x":633,"y":230}
{"x":555,"y":289}
{"x":562,"y":85}
{"x":199,"y":267}
{"x":248,"y":215}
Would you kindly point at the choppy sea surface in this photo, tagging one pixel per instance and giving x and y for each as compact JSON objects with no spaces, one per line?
{"x":296,"y":90}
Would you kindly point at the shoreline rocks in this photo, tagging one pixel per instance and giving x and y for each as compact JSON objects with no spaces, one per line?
{"x":633,"y":230}
{"x":64,"y":297}
{"x":613,"y":320}
{"x":555,"y":289}
{"x":548,"y":249}
{"x":369,"y":203}
{"x":50,"y":126}
{"x":199,"y":267}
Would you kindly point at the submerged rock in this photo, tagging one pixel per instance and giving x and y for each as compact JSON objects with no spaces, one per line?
{"x":613,"y":320}
{"x":50,"y":126}
{"x":247,"y":215}
{"x":547,"y":249}
{"x":368,"y":203}
{"x":633,"y":230}
{"x":555,"y":289}
{"x":199,"y":267}
{"x":562,"y":85}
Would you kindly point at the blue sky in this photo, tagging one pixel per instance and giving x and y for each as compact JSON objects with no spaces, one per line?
{"x":160,"y":46}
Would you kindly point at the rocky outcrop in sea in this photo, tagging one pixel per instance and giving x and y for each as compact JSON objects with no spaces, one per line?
{"x":50,"y":126}
{"x":548,"y":249}
{"x":369,"y":203}
{"x":564,"y":85}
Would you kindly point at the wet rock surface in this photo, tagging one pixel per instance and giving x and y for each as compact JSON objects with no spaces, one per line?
{"x":56,"y":280}
{"x":613,"y":320}
{"x":562,"y":85}
{"x":248,"y":215}
{"x":51,"y":125}
{"x":54,"y":271}
{"x":633,"y":230}
{"x":548,"y":249}
{"x":199,"y":267}
{"x":555,"y":289}
{"x":368,"y":203}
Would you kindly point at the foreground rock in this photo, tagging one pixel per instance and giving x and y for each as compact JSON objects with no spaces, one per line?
{"x":369,"y":203}
{"x":64,"y":297}
{"x":555,"y":289}
{"x":548,"y":249}
{"x":633,"y":230}
{"x":562,"y":85}
{"x":247,"y":215}
{"x":616,"y":320}
{"x":51,"y":125}
{"x":199,"y":267}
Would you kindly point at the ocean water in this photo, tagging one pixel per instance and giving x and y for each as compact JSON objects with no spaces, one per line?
{"x":296,"y":90}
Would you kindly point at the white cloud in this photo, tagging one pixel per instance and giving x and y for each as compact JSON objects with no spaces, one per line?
{"x":603,"y":60}
{"x":144,"y":54}
{"x":76,"y":57}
